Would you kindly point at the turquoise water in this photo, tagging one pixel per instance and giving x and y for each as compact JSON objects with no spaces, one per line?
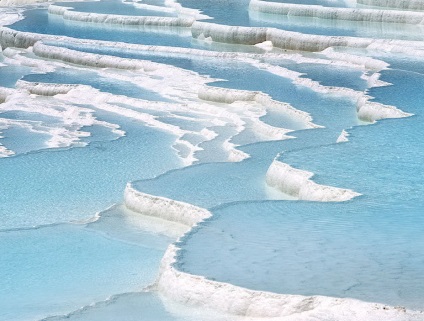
{"x":331,"y":76}
{"x":219,"y":183}
{"x":223,"y":12}
{"x":139,"y":306}
{"x":74,"y":184}
{"x":56,"y":269}
{"x":113,"y":7}
{"x":363,"y":29}
{"x":22,"y":140}
{"x":61,"y":261}
{"x":93,"y":79}
{"x":311,"y":248}
{"x":324,"y":3}
{"x":326,"y":75}
{"x":39,"y":21}
{"x":9,"y":75}
{"x":239,"y":75}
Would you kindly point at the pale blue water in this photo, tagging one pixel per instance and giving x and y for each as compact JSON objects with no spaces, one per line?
{"x":331,"y":75}
{"x":324,"y":3}
{"x":337,"y":27}
{"x":341,"y":250}
{"x":239,"y":75}
{"x":102,"y":83}
{"x":113,"y":7}
{"x":59,"y":268}
{"x":152,"y":2}
{"x":325,"y":74}
{"x":28,"y":116}
{"x":56,"y":269}
{"x":236,"y":13}
{"x":140,"y":306}
{"x":370,"y":248}
{"x":21,"y":140}
{"x":98,"y":133}
{"x":218,"y":183}
{"x":39,"y":21}
{"x":9,"y":75}
{"x":74,"y":184}
{"x":311,"y":248}
{"x":229,"y":13}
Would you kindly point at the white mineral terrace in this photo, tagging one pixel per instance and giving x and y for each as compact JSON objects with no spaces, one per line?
{"x":353,"y":14}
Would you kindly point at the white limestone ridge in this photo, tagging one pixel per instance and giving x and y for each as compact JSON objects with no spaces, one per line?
{"x":198,"y":291}
{"x":367,"y":110}
{"x":227,"y":298}
{"x":71,"y":119}
{"x":335,"y":13}
{"x":234,"y":155}
{"x":366,"y":62}
{"x":340,"y":59}
{"x":45,"y":89}
{"x":17,"y":39}
{"x":229,"y":96}
{"x":120,"y":19}
{"x":163,"y":208}
{"x":371,"y":111}
{"x":343,"y":138}
{"x":5,"y":92}
{"x":295,"y":40}
{"x":183,"y":11}
{"x":10,"y":3}
{"x":248,"y":36}
{"x":4,"y":124}
{"x":5,"y":152}
{"x":16,"y":3}
{"x":398,"y":4}
{"x":237,"y":113}
{"x":150,"y":7}
{"x":11,"y":38}
{"x":229,"y":34}
{"x":89,"y":59}
{"x":299,"y":183}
